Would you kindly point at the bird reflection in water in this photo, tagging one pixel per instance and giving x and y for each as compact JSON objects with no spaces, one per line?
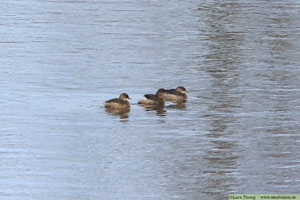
{"x":180,"y":106}
{"x":122,"y":113}
{"x":159,"y":109}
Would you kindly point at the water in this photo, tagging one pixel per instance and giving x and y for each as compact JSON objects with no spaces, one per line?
{"x":238,"y":132}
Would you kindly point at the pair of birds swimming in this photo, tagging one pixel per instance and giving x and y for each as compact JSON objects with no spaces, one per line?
{"x":156,"y":100}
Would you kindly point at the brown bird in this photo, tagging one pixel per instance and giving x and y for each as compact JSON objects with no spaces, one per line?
{"x":154,"y":99}
{"x":176,"y":95}
{"x":118,"y":103}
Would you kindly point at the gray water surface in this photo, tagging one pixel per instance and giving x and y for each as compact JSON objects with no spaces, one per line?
{"x":239,"y":132}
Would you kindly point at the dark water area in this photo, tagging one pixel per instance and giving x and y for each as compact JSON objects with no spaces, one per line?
{"x":239,"y":131}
